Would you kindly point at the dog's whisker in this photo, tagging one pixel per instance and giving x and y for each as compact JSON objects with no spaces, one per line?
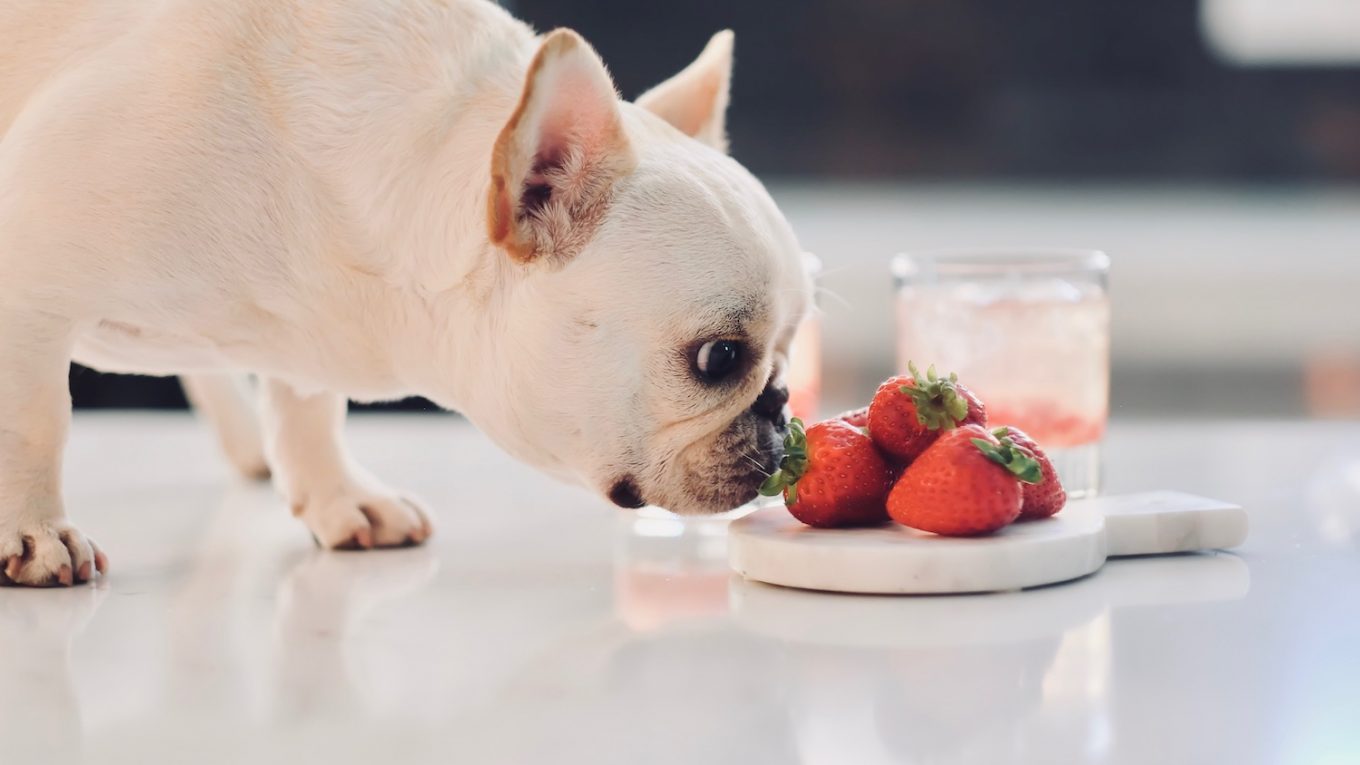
{"x":827,"y":293}
{"x":756,"y":464}
{"x":834,"y":271}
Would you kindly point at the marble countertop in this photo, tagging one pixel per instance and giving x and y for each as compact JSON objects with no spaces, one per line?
{"x":542,"y":625}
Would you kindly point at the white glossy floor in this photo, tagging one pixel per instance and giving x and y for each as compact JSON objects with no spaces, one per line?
{"x":540,"y":625}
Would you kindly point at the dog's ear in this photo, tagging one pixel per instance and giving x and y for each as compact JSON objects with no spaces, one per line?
{"x":557,"y":158}
{"x":695,"y":100}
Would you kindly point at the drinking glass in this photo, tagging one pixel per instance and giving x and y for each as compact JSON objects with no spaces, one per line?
{"x":805,"y":355}
{"x":1028,"y":331}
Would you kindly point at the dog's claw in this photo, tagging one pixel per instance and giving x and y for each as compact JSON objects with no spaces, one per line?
{"x":423,"y":533}
{"x":365,"y":521}
{"x":419,"y":535}
{"x":48,"y":553}
{"x":362,"y":540}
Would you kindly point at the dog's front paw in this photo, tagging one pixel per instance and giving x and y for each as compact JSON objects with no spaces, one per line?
{"x":47,"y":554}
{"x":359,"y":520}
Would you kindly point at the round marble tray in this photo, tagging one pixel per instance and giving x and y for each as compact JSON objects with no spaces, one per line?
{"x":771,"y":546}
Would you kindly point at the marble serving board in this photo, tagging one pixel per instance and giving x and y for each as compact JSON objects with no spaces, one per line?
{"x":773,"y":547}
{"x":807,"y":617}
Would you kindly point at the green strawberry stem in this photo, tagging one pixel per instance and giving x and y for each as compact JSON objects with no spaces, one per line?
{"x":939,"y":405}
{"x":791,"y":467}
{"x":1013,"y":457}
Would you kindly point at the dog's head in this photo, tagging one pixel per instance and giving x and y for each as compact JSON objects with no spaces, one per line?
{"x":653,"y":287}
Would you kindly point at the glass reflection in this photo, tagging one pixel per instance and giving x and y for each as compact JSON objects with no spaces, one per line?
{"x":1001,"y":677}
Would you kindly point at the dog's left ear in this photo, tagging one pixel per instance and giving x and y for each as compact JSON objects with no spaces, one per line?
{"x":695,"y":100}
{"x":557,"y":158}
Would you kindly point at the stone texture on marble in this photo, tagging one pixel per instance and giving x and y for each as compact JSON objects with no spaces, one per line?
{"x":771,"y":546}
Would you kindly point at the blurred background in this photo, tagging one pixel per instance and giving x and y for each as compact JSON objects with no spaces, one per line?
{"x":1212,"y":148}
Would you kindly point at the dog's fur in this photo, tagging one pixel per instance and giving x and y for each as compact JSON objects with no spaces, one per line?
{"x":371,"y":199}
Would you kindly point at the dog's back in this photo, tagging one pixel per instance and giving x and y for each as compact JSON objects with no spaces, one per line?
{"x":41,"y":37}
{"x":241,"y":147}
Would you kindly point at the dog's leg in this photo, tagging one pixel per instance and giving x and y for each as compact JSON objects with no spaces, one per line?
{"x":342,"y":505}
{"x":224,"y":402}
{"x":38,"y":547}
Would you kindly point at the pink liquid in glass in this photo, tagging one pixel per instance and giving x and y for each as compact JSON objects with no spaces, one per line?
{"x":1036,"y":352}
{"x":805,"y":369}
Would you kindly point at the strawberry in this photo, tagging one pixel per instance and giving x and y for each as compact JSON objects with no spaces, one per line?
{"x":858,"y":418}
{"x":1042,"y":499}
{"x":909,"y":412}
{"x":966,"y":483}
{"x":831,"y":476}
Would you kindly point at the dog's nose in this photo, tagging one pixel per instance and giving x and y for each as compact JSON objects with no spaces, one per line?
{"x":625,"y":494}
{"x":770,"y":404}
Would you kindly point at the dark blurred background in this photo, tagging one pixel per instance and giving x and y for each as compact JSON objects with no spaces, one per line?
{"x":1213,"y":148}
{"x":989,"y":89}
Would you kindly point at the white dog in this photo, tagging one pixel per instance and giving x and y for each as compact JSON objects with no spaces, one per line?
{"x":370,"y":199}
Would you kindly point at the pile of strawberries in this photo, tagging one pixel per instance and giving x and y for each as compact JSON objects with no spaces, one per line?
{"x":920,"y":454}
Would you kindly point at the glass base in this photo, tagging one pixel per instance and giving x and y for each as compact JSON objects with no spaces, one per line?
{"x":651,"y":513}
{"x":1078,"y":468}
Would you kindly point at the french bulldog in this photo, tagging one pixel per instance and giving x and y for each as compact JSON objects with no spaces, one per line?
{"x":369,"y":199}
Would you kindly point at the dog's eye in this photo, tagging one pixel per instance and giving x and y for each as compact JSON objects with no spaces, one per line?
{"x":716,"y":359}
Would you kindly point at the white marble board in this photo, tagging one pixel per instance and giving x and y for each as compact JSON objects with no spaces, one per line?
{"x":773,"y":547}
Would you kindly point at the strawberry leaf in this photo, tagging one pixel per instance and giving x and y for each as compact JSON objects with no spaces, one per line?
{"x":773,"y":484}
{"x":1016,"y":459}
{"x":938,"y":403}
{"x":792,"y":465}
{"x":989,"y":450}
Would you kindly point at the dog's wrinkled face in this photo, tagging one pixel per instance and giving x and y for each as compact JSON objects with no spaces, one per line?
{"x":661,"y":293}
{"x":673,"y":332}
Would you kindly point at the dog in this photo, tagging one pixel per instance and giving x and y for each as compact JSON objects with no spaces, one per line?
{"x":370,"y":199}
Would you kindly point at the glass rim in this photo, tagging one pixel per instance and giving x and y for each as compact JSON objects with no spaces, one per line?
{"x":990,"y":261}
{"x":812,"y":265}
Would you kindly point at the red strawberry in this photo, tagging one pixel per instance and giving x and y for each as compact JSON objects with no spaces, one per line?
{"x":964,"y":484}
{"x":858,"y":418}
{"x":909,"y":412}
{"x":831,"y":475}
{"x":1046,"y":497}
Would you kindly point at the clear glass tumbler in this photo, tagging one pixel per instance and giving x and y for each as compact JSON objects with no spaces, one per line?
{"x":1028,"y":330}
{"x":805,"y":355}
